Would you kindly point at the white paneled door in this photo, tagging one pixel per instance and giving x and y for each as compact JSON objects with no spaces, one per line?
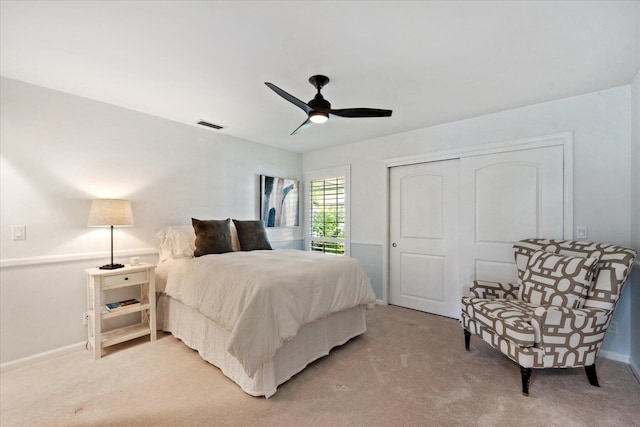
{"x":455,"y":221}
{"x":424,"y":236}
{"x":504,"y":198}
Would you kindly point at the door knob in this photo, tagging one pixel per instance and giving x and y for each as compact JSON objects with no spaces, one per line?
{"x":394,"y":244}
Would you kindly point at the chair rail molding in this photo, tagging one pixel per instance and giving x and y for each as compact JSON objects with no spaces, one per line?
{"x":366,"y":242}
{"x":65,"y":258}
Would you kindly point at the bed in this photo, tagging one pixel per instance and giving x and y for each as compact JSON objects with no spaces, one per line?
{"x":260,"y":315}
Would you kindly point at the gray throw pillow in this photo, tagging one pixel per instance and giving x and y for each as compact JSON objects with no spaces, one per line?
{"x":212,"y":236}
{"x":252,"y":235}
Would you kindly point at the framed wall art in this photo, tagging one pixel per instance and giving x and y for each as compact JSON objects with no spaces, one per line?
{"x":279,"y":201}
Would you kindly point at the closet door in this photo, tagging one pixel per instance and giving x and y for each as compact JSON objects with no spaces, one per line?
{"x":424,"y":237}
{"x":455,"y":221}
{"x":504,"y":198}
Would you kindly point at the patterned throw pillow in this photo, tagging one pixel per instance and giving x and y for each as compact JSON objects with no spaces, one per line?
{"x":562,"y":281}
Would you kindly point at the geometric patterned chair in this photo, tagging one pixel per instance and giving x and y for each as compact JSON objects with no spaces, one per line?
{"x":557,"y":314}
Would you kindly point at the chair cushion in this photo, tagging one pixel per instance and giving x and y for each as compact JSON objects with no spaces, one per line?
{"x":561,"y":281}
{"x":510,"y":319}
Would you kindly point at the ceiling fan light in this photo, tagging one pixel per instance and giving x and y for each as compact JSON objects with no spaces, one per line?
{"x":318,"y":117}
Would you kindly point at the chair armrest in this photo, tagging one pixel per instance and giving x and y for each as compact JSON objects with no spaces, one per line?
{"x":493,"y":290}
{"x":550,"y":323}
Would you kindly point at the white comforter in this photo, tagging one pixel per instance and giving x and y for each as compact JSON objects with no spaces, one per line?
{"x":263,"y":297}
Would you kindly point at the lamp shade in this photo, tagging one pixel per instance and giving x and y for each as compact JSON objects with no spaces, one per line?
{"x":110,"y":212}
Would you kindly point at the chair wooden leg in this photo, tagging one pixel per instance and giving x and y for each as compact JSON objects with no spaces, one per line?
{"x":526,"y":376}
{"x":591,"y":374}
{"x":467,"y":339}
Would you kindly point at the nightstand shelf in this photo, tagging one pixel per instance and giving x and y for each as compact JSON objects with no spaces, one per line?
{"x":144,"y":305}
{"x":126,"y":333}
{"x":99,"y":282}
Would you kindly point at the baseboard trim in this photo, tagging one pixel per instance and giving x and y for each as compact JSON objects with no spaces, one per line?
{"x":624,"y":358}
{"x":47,"y":355}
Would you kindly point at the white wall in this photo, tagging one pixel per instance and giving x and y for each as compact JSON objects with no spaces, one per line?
{"x":59,"y":151}
{"x":635,"y":223}
{"x":600,"y":123}
{"x":635,"y":162}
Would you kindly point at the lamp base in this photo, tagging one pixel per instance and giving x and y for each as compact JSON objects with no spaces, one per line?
{"x":111,"y":266}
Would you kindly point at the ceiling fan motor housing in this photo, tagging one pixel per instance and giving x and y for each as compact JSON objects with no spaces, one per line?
{"x":318,"y":103}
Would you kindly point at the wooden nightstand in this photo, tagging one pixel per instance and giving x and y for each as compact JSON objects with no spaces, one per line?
{"x":99,"y":281}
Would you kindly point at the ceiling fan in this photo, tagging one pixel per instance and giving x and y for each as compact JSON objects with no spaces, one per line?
{"x":319,"y":110}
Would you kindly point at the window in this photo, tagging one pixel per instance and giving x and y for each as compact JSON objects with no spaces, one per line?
{"x":328,"y":211}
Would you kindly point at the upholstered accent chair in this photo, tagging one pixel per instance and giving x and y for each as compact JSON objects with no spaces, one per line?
{"x":557,"y":314}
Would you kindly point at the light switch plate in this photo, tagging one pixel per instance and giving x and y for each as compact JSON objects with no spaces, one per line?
{"x":581,"y":232}
{"x":18,"y":232}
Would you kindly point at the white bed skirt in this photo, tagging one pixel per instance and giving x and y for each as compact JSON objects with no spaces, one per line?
{"x":313,"y":341}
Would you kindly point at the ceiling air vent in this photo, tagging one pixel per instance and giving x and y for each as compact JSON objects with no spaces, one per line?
{"x":207,"y":124}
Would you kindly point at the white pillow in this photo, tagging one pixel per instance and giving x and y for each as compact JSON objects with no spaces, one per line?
{"x":179,"y":241}
{"x":176,"y":242}
{"x":235,"y":241}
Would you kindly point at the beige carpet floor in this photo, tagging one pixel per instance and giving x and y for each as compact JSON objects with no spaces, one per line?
{"x":410,"y":368}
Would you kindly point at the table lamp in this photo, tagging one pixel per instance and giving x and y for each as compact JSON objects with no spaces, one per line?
{"x":110,"y":213}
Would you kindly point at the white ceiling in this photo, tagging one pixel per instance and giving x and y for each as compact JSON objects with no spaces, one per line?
{"x":430,"y":62}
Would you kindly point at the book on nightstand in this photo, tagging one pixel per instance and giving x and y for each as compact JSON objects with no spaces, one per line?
{"x":122,"y":305}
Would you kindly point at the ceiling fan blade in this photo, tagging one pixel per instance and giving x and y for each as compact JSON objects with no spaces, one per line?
{"x":292,"y":99}
{"x":302,"y":127}
{"x":361,"y":112}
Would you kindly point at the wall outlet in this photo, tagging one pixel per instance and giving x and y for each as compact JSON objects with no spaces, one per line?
{"x":85,"y":318}
{"x":613,"y":327}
